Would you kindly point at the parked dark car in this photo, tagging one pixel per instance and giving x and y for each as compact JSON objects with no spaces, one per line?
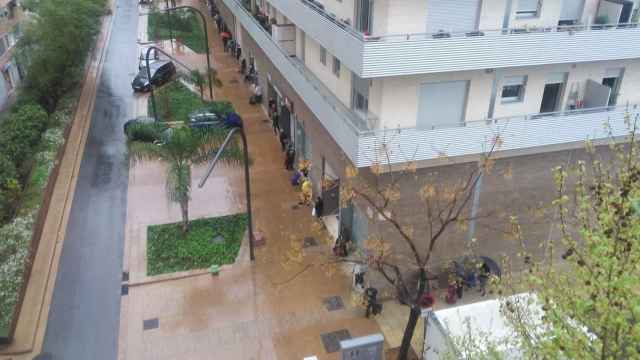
{"x":204,"y":118}
{"x":161,"y":72}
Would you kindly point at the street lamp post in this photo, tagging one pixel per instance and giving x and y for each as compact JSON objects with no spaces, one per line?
{"x":206,"y":41}
{"x":237,"y":130}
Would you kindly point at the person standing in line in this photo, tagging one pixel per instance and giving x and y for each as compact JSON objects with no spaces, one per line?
{"x":225,"y":39}
{"x":283,"y":140}
{"x":307,"y":192}
{"x":289,"y":158}
{"x":243,"y":66}
{"x":275,"y":121}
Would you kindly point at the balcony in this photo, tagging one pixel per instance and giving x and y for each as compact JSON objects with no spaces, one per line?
{"x":342,"y":124}
{"x":365,"y":147}
{"x":518,"y":133}
{"x":408,"y":54}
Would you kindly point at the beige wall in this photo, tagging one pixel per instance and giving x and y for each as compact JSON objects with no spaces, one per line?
{"x":340,"y":86}
{"x":343,"y":9}
{"x":395,"y":99}
{"x":399,"y":96}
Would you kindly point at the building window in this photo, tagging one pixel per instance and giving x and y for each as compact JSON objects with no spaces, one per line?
{"x":528,"y":8}
{"x":336,"y":67}
{"x":513,"y":88}
{"x":323,"y":55}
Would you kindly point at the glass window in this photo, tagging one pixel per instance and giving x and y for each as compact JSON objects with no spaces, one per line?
{"x":528,"y":8}
{"x":323,"y":55}
{"x":513,"y":88}
{"x":336,"y":67}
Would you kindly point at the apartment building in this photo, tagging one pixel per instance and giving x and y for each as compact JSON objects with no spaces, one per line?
{"x":437,"y":82}
{"x":10,"y":16}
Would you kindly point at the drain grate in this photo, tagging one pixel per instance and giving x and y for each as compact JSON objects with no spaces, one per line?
{"x":309,"y":241}
{"x":150,"y":324}
{"x":334,"y":303}
{"x":124,"y":290}
{"x":331,"y":341}
{"x":125,"y":276}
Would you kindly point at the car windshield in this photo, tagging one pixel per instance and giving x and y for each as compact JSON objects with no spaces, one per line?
{"x":143,"y":72}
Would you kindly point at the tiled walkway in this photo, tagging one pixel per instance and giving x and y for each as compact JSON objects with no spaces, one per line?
{"x":269,"y":310}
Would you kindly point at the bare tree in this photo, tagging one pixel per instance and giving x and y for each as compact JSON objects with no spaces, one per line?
{"x":407,"y":266}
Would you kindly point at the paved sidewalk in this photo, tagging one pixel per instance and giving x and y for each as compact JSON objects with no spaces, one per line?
{"x":269,"y":310}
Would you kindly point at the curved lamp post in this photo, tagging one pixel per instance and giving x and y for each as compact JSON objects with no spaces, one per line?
{"x":237,"y":130}
{"x":206,"y":41}
{"x":146,"y":59}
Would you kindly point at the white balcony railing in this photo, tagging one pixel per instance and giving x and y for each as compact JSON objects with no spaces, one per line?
{"x":517,"y":133}
{"x":366,"y":147}
{"x":421,"y":53}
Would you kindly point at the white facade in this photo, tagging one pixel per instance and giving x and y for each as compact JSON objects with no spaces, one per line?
{"x":521,"y":58}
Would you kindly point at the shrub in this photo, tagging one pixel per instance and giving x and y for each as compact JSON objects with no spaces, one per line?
{"x":20,"y":133}
{"x":9,"y":188}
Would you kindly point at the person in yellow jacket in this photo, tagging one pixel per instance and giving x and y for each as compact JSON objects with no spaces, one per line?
{"x":307,"y":192}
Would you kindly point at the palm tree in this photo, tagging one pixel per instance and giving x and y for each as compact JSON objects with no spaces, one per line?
{"x":179,"y":148}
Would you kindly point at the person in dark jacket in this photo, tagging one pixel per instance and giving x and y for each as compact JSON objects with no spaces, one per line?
{"x":290,"y":157}
{"x":284,"y":140}
{"x":319,"y":207}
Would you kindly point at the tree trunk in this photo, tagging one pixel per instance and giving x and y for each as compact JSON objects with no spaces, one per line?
{"x":414,"y":315}
{"x":184,"y":207}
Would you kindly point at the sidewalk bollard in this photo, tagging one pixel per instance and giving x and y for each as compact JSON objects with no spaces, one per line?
{"x":214,"y":270}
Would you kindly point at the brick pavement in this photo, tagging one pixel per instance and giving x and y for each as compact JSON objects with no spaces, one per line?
{"x":270,"y":310}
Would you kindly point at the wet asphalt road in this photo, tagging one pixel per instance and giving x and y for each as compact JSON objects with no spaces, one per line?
{"x":84,"y":315}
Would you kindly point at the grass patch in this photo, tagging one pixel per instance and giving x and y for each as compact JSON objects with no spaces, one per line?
{"x":175,"y":102}
{"x":168,"y":250}
{"x":185,"y":26}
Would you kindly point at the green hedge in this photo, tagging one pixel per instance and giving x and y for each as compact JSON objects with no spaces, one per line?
{"x":16,"y":235}
{"x":174,"y":102}
{"x":54,"y":48}
{"x":184,"y":25}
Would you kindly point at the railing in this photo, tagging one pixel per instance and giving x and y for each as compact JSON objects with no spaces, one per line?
{"x":446,"y":33}
{"x":515,"y":133}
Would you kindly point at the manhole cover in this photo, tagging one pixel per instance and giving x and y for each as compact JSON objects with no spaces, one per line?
{"x":266,"y":120}
{"x":309,"y":241}
{"x":234,"y":81}
{"x":295,"y":207}
{"x":331,"y":341}
{"x":150,"y":324}
{"x":333,"y":303}
{"x":124,"y":290}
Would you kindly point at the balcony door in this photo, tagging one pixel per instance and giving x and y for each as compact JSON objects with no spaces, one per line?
{"x":364,"y":13}
{"x":452,"y":16}
{"x":442,"y":104}
{"x":553,"y":91}
{"x":571,"y":12}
